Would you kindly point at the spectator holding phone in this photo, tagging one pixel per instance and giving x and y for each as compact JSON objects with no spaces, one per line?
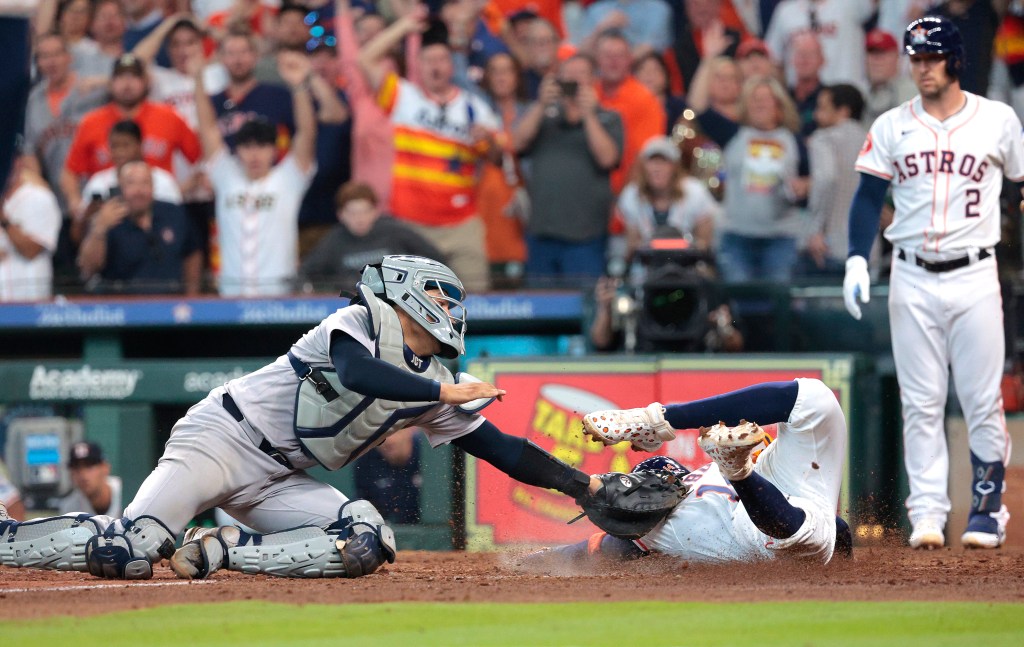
{"x":125,"y":142}
{"x":136,"y":244}
{"x":573,"y":145}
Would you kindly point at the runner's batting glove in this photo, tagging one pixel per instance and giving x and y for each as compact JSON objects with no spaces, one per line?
{"x":856,"y":284}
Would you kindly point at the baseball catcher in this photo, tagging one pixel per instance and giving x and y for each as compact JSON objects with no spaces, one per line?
{"x":757,"y":500}
{"x":364,"y":372}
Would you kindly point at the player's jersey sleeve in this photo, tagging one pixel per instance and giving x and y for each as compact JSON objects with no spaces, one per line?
{"x":445,"y":423}
{"x":354,"y":321}
{"x":876,"y":153}
{"x":1012,"y":143}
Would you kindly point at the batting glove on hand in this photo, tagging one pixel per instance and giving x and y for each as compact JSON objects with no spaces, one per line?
{"x":856,"y":284}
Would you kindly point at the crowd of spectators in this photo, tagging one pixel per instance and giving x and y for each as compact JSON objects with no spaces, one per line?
{"x":265,"y":147}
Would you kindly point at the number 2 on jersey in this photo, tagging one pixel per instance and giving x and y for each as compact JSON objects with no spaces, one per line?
{"x":973,"y":200}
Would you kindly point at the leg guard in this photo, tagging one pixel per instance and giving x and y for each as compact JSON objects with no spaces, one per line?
{"x":57,"y":543}
{"x":127,"y":550}
{"x":358,"y":544}
{"x":368,"y":540}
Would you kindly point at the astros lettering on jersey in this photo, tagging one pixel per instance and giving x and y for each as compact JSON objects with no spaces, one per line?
{"x":945,"y":175}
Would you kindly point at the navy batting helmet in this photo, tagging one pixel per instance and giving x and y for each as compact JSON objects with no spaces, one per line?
{"x":936,"y":35}
{"x":663,"y":463}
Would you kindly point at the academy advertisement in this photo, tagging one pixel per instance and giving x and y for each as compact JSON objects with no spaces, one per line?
{"x":545,"y":404}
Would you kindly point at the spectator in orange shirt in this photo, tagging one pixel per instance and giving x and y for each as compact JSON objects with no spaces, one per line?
{"x":163,"y":131}
{"x":642,"y":114}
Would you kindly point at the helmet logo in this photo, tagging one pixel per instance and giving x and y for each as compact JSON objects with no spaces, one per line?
{"x":919,"y":36}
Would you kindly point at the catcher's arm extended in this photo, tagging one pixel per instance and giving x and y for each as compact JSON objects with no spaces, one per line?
{"x":525,"y":461}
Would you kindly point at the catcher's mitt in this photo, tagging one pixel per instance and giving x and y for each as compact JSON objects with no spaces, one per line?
{"x":629,"y":506}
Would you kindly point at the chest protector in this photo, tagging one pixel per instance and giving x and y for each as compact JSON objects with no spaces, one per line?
{"x":339,"y":430}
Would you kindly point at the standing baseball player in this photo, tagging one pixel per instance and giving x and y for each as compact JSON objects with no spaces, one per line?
{"x":945,"y":154}
{"x":363,"y":373}
{"x":738,"y":510}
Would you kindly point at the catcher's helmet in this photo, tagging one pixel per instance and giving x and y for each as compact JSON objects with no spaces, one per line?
{"x":663,"y":463}
{"x":420,"y":286}
{"x":936,"y":35}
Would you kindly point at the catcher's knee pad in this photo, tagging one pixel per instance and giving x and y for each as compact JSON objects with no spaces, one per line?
{"x":57,"y":543}
{"x":128,"y":548}
{"x":369,"y":541}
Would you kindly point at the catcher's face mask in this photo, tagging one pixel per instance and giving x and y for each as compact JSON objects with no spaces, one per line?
{"x":426,"y":290}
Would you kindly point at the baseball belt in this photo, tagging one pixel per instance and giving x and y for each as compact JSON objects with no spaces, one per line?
{"x":944,"y":266}
{"x":264,"y":446}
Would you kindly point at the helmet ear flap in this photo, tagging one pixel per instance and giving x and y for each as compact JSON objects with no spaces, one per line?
{"x":373,"y":278}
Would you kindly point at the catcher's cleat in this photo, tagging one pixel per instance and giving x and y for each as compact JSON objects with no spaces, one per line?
{"x":3,"y":512}
{"x":187,"y":561}
{"x":927,"y":534}
{"x":986,"y":530}
{"x":645,"y":428}
{"x":732,"y":448}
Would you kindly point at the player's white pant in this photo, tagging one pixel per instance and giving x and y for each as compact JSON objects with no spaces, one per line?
{"x":209,"y":461}
{"x":806,"y":461}
{"x":808,"y":457}
{"x":940,"y":320}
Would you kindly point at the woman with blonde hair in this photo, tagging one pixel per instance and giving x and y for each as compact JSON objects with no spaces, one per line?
{"x":663,"y":201}
{"x":761,"y":156}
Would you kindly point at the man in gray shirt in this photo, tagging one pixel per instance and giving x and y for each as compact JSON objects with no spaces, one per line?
{"x":55,"y":106}
{"x":573,"y":145}
{"x":833,"y":150}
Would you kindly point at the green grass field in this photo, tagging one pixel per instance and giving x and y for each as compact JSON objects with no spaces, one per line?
{"x":633,"y":624}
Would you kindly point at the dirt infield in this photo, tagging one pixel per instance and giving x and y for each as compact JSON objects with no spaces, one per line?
{"x":879,"y":573}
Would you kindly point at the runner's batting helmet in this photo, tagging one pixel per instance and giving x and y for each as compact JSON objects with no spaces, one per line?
{"x":664,"y":463}
{"x":936,"y":35}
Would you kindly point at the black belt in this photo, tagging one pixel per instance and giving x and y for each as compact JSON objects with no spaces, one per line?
{"x":944,"y":266}
{"x":265,"y":446}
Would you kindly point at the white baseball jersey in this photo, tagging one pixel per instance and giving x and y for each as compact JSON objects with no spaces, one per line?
{"x":805,"y":462}
{"x":837,"y":23}
{"x":946,"y":175}
{"x":35,"y":210}
{"x":257,"y":225}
